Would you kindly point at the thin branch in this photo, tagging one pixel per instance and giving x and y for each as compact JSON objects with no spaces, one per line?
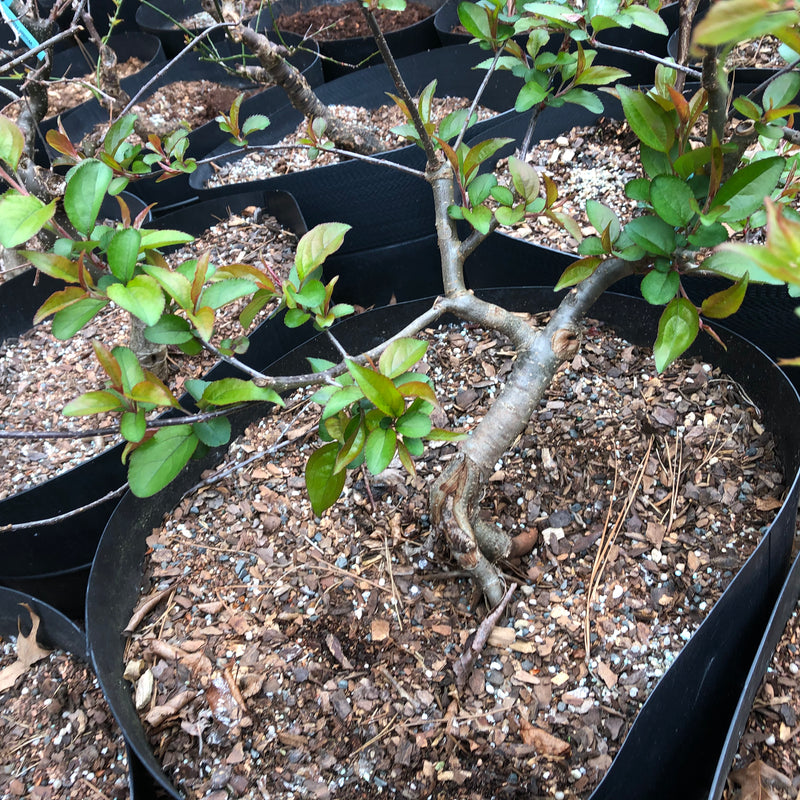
{"x":692,"y":73}
{"x":24,"y":526}
{"x":476,"y":99}
{"x":234,"y":362}
{"x":9,"y":65}
{"x":337,"y":344}
{"x":400,"y":84}
{"x":773,"y":76}
{"x":172,"y":63}
{"x":346,"y":153}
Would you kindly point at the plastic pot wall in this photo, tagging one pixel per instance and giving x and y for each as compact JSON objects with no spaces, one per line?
{"x":384,"y":206}
{"x":674,"y":748}
{"x":53,"y":561}
{"x":343,"y":56}
{"x":160,"y":18}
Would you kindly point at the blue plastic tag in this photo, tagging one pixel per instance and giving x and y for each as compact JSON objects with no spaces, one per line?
{"x":23,"y":32}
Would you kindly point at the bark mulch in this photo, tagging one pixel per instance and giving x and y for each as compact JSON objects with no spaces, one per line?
{"x":297,"y":656}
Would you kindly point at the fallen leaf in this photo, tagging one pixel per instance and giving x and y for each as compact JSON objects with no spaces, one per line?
{"x":545,"y":743}
{"x":755,"y":781}
{"x":607,"y":674}
{"x":380,"y":630}
{"x":335,"y":646}
{"x":29,"y":651}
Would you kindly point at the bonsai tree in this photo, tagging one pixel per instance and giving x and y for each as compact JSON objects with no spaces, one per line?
{"x":374,"y":406}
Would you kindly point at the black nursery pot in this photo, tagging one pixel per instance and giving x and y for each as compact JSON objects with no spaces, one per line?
{"x":165,"y":19}
{"x":55,"y":632}
{"x":53,"y":561}
{"x":674,"y":748}
{"x":352,"y":191}
{"x":343,"y":56}
{"x":175,"y":191}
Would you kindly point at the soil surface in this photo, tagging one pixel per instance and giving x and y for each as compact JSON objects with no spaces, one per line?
{"x":297,"y":656}
{"x":57,"y":736}
{"x":346,"y":21}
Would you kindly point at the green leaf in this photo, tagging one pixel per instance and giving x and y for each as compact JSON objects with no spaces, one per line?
{"x":295,"y":318}
{"x":227,"y":391}
{"x":474,"y":18}
{"x":441,"y":435}
{"x":68,"y":321}
{"x":12,"y":142}
{"x":709,"y":235}
{"x":160,"y":459}
{"x":480,"y":218}
{"x":529,"y":95}
{"x":602,"y":217}
{"x":352,"y":446}
{"x":659,"y":288}
{"x":745,"y":190}
{"x":170,"y":329}
{"x":653,"y":162}
{"x":176,"y":285}
{"x":141,"y":296}
{"x":414,"y":424}
{"x":672,"y":200}
{"x":21,"y":217}
{"x":400,"y":355}
{"x":312,"y":295}
{"x":53,"y":265}
{"x":480,"y":187}
{"x":525,"y":178}
{"x":747,"y":108}
{"x":221,"y":293}
{"x":324,"y":486}
{"x":213,"y":432}
{"x":92,"y":403}
{"x":133,"y":425}
{"x":647,"y":119}
{"x":316,"y":245}
{"x":722,"y":304}
{"x":340,"y":399}
{"x":123,"y":252}
{"x":152,"y":240}
{"x":653,"y":234}
{"x":782,"y":90}
{"x":257,"y":122}
{"x":677,"y":329}
{"x":646,"y":19}
{"x":196,"y":387}
{"x":152,"y":390}
{"x":379,"y":449}
{"x":131,"y":371}
{"x":510,"y":216}
{"x":378,"y":389}
{"x":599,"y":76}
{"x":581,"y":97}
{"x":577,"y":271}
{"x":86,"y":188}
{"x":480,"y":152}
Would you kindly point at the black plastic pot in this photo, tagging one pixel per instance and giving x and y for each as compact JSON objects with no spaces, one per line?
{"x":55,"y":632}
{"x":356,"y":190}
{"x":163,"y":19}
{"x":53,"y":561}
{"x":642,"y":71}
{"x":343,"y":56}
{"x":674,"y":748}
{"x":175,"y":191}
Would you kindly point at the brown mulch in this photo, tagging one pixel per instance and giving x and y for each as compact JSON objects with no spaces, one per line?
{"x":330,"y":21}
{"x":57,"y":736}
{"x":314,"y":657}
{"x":40,"y":374}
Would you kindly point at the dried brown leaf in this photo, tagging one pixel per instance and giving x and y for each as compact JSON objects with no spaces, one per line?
{"x":755,"y":781}
{"x":29,"y":651}
{"x":545,"y":743}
